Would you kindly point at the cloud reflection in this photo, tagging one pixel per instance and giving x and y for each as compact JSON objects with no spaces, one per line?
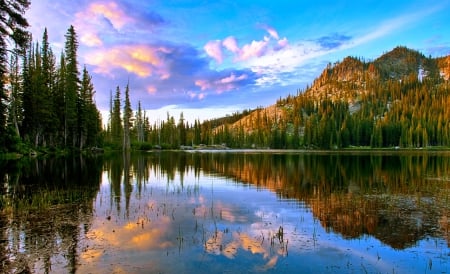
{"x":222,"y":244}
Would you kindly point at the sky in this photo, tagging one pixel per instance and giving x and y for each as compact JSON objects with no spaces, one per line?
{"x":208,"y":59}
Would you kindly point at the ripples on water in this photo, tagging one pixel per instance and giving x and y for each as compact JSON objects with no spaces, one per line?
{"x":227,"y":213}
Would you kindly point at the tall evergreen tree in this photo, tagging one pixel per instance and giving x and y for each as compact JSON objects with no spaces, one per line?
{"x":34,"y":113}
{"x":48,"y":72}
{"x":59,"y":107}
{"x":15,"y":101}
{"x":38,"y":115}
{"x":72,"y":82}
{"x":88,"y":115}
{"x":116,"y":121}
{"x":140,"y":123}
{"x":13,"y":26}
{"x":182,"y":134}
{"x":3,"y":97}
{"x":127,"y":115}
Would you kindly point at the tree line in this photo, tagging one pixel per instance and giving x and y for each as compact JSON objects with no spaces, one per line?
{"x":377,"y":105}
{"x":44,"y":103}
{"x":372,"y":106}
{"x":49,"y":104}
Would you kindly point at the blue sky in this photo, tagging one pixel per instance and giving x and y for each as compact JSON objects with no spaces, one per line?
{"x":211,"y":58}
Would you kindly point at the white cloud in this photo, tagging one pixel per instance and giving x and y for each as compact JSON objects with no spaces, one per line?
{"x":254,"y":49}
{"x":191,"y":114}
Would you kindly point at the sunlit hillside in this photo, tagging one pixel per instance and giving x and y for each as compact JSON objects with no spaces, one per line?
{"x":390,"y":101}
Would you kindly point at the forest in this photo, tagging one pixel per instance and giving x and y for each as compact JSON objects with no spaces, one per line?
{"x":399,"y":100}
{"x":49,"y":106}
{"x":45,"y":104}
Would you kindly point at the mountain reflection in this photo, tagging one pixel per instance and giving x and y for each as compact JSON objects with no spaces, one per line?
{"x":85,"y":214}
{"x":397,"y":199}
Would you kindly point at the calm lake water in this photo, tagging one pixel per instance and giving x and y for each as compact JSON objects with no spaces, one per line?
{"x":227,"y":212}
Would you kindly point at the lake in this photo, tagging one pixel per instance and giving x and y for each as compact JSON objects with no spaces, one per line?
{"x":227,"y":212}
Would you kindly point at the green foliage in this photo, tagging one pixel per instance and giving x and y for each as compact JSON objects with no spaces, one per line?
{"x":49,"y":108}
{"x":141,"y":146}
{"x":13,"y":26}
{"x":399,"y":100}
{"x":385,"y":103}
{"x":116,"y":120}
{"x":127,"y":116}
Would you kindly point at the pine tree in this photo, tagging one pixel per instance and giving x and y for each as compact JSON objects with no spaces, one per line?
{"x":89,"y":123}
{"x":197,"y":132}
{"x":72,"y":82}
{"x":127,"y":115}
{"x":37,"y":109}
{"x":140,"y":124}
{"x":59,"y":108}
{"x":48,"y":72}
{"x":13,"y":26}
{"x":15,"y":101}
{"x":182,"y":134}
{"x":3,"y":97}
{"x":116,"y":122}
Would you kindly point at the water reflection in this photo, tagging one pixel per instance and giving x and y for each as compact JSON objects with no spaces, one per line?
{"x":46,"y":205}
{"x":167,"y":212}
{"x":397,"y":199}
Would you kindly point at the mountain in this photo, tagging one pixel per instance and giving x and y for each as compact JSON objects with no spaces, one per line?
{"x":399,"y":99}
{"x":444,"y":66}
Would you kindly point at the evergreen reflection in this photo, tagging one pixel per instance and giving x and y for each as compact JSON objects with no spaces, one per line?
{"x":46,"y":206}
{"x":398,"y":199}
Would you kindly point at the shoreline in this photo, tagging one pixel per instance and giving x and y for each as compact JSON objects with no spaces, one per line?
{"x":348,"y":151}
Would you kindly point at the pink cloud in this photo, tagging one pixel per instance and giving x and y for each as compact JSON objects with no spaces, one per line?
{"x":203,"y":84}
{"x":254,"y":49}
{"x":91,"y":21}
{"x":151,"y":89}
{"x":272,"y":32}
{"x":232,"y":78}
{"x":91,"y":39}
{"x":230,"y":44}
{"x":283,"y":42}
{"x":142,"y":60}
{"x":213,"y":49}
{"x":199,"y":96}
{"x":221,"y":85}
{"x":112,"y":12}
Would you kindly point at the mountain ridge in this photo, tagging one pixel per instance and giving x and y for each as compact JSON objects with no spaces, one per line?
{"x":378,"y":92}
{"x":350,"y":70}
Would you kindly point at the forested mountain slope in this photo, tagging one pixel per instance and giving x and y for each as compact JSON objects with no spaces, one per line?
{"x":399,"y":99}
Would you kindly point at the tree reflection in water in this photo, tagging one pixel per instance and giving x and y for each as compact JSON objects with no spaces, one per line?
{"x":206,"y":212}
{"x":398,"y":199}
{"x":46,"y":206}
